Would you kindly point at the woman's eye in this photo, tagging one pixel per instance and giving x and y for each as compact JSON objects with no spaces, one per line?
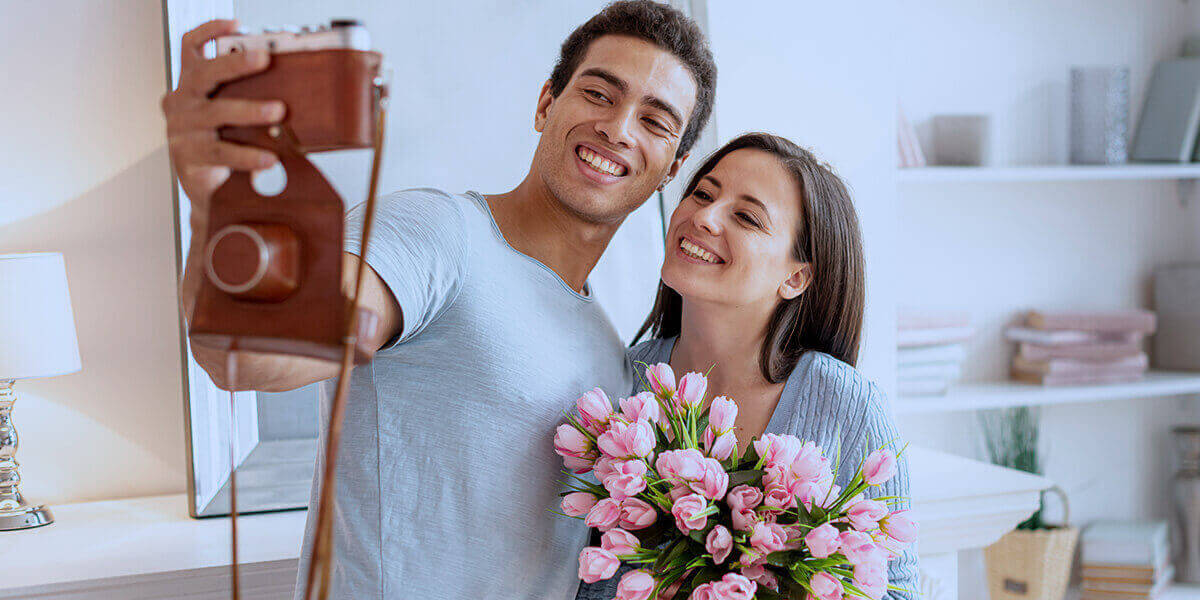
{"x":655,"y":124}
{"x":702,"y":195}
{"x":748,"y":219}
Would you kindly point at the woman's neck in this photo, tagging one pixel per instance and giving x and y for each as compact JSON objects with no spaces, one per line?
{"x":729,"y":341}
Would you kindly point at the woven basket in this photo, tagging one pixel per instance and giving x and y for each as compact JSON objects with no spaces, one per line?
{"x":1032,"y":565}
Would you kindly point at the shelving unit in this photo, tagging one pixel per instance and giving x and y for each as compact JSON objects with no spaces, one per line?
{"x":1001,"y":394}
{"x":1183,"y":172}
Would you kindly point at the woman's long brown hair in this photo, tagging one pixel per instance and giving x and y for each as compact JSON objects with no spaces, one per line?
{"x":828,"y":316}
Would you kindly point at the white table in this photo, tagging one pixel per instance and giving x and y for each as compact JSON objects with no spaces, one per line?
{"x":145,"y":548}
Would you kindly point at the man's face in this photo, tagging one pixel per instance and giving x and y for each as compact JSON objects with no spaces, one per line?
{"x":609,"y":139}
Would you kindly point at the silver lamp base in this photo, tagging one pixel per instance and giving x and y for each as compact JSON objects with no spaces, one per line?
{"x":26,"y":517}
{"x":15,"y":512}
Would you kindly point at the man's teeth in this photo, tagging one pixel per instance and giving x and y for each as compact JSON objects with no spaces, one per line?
{"x":695,"y":251}
{"x":600,"y":164}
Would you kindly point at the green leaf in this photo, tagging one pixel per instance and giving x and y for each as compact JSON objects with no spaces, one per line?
{"x":784,"y":558}
{"x":737,"y":478}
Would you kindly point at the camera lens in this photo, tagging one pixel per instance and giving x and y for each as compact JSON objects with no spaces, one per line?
{"x":344,"y":23}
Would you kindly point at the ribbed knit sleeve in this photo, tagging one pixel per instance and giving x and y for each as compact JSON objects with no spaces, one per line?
{"x":832,"y":402}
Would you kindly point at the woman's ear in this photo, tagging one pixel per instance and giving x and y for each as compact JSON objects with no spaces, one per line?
{"x":543,"y":108}
{"x":797,"y":282}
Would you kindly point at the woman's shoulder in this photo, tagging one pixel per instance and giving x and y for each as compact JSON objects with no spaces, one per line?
{"x":820,"y":375}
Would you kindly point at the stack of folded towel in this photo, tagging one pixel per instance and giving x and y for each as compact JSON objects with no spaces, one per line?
{"x":930,"y":350}
{"x":1078,"y":347}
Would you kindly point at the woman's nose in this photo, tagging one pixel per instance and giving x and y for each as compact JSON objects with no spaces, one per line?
{"x":708,"y":218}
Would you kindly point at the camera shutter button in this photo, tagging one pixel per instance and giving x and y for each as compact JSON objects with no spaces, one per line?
{"x":254,"y":261}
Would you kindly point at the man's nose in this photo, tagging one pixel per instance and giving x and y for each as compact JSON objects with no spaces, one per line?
{"x":617,"y":126}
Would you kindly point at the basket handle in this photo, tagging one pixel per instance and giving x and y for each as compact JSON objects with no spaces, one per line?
{"x":1062,"y":496}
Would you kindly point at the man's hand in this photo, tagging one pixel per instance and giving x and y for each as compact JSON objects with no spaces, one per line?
{"x":201,"y":160}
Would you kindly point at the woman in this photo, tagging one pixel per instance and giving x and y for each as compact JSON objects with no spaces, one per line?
{"x":763,"y":282}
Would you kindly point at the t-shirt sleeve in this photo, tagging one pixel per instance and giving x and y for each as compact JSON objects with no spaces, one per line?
{"x":419,"y":248}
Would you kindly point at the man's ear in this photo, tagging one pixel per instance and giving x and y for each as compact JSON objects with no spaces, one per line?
{"x":674,"y":169}
{"x":797,"y":282}
{"x":545,"y":99}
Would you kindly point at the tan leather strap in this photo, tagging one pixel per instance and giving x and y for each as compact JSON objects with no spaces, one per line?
{"x":321,"y":562}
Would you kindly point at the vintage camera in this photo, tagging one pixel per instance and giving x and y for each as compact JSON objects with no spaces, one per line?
{"x":272,"y":264}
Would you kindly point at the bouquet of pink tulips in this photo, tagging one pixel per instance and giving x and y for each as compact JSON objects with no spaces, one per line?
{"x":675,"y":499}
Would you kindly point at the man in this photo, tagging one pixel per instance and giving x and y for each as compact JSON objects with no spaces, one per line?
{"x":488,"y":329}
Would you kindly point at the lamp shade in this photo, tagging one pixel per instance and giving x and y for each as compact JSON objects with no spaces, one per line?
{"x":37,"y":328}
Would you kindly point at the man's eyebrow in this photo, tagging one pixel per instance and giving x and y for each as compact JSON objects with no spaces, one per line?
{"x":622,"y":87}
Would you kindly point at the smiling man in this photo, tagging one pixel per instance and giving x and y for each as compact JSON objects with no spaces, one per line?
{"x":447,"y":472}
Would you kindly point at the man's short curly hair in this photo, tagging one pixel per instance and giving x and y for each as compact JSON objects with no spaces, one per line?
{"x":660,"y":25}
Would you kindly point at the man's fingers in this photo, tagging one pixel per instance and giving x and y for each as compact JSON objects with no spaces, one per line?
{"x":206,"y":75}
{"x":199,"y":149}
{"x":192,"y":47}
{"x":212,"y":114}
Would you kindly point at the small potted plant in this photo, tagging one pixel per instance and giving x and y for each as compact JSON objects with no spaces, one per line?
{"x":1032,"y":562}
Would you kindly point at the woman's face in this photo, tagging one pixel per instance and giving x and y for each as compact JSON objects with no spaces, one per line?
{"x":731,"y":240}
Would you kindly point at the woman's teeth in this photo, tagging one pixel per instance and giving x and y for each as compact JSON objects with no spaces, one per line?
{"x":697,"y":252}
{"x":600,"y":164}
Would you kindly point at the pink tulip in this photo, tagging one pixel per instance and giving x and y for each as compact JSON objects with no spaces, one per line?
{"x":627,"y":440}
{"x":719,"y":543}
{"x":823,"y":541}
{"x":604,"y":514}
{"x":826,"y":586}
{"x":871,"y":578}
{"x":691,"y":389}
{"x":827,"y":499}
{"x":722,"y":447}
{"x":734,"y":587}
{"x":768,"y":537}
{"x":703,"y":592}
{"x":569,"y":441}
{"x":619,"y":542}
{"x":680,"y":466}
{"x":809,"y":464}
{"x":892,"y":546}
{"x":900,"y":526}
{"x":744,"y":520}
{"x":604,"y":467}
{"x":578,"y":466}
{"x":627,"y":478}
{"x":864,"y":515}
{"x":662,"y":380}
{"x":743,"y":497}
{"x":594,"y":410}
{"x":635,"y":585}
{"x":642,"y":406}
{"x":596,"y":564}
{"x":714,"y":482}
{"x":637,"y":514}
{"x":777,"y":449}
{"x":778,"y":498}
{"x":721,"y":414}
{"x":880,"y":466}
{"x":859,"y":547}
{"x":687,"y":513}
{"x":577,"y":504}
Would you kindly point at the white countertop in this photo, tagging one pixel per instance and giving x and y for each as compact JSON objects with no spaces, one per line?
{"x":960,"y":503}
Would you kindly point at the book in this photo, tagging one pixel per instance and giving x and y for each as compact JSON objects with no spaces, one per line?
{"x":1170,"y":117}
{"x":1068,"y":337}
{"x":1141,"y":321}
{"x":929,"y":386}
{"x":934,"y":370}
{"x":1128,"y":543}
{"x":1070,"y":366}
{"x":1056,"y":379}
{"x":919,"y":318}
{"x":1093,"y":351}
{"x":940,"y":353}
{"x":1126,"y":573}
{"x":1149,"y":587}
{"x":907,"y":338}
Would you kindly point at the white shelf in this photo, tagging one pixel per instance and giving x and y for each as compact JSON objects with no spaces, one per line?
{"x":1048,"y":173}
{"x":999,"y":394}
{"x":1177,"y":591}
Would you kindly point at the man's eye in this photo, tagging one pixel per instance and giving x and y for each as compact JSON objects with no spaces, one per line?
{"x":596,"y":95}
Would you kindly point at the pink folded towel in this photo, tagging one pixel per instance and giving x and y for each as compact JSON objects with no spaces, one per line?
{"x":1090,"y":351}
{"x":1142,"y":321}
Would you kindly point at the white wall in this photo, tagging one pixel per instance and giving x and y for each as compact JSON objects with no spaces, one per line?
{"x":84,"y":171}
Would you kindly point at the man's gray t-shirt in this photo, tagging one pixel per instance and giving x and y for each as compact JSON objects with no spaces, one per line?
{"x":447,"y":473}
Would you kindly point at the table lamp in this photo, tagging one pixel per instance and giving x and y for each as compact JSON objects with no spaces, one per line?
{"x":37,"y":339}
